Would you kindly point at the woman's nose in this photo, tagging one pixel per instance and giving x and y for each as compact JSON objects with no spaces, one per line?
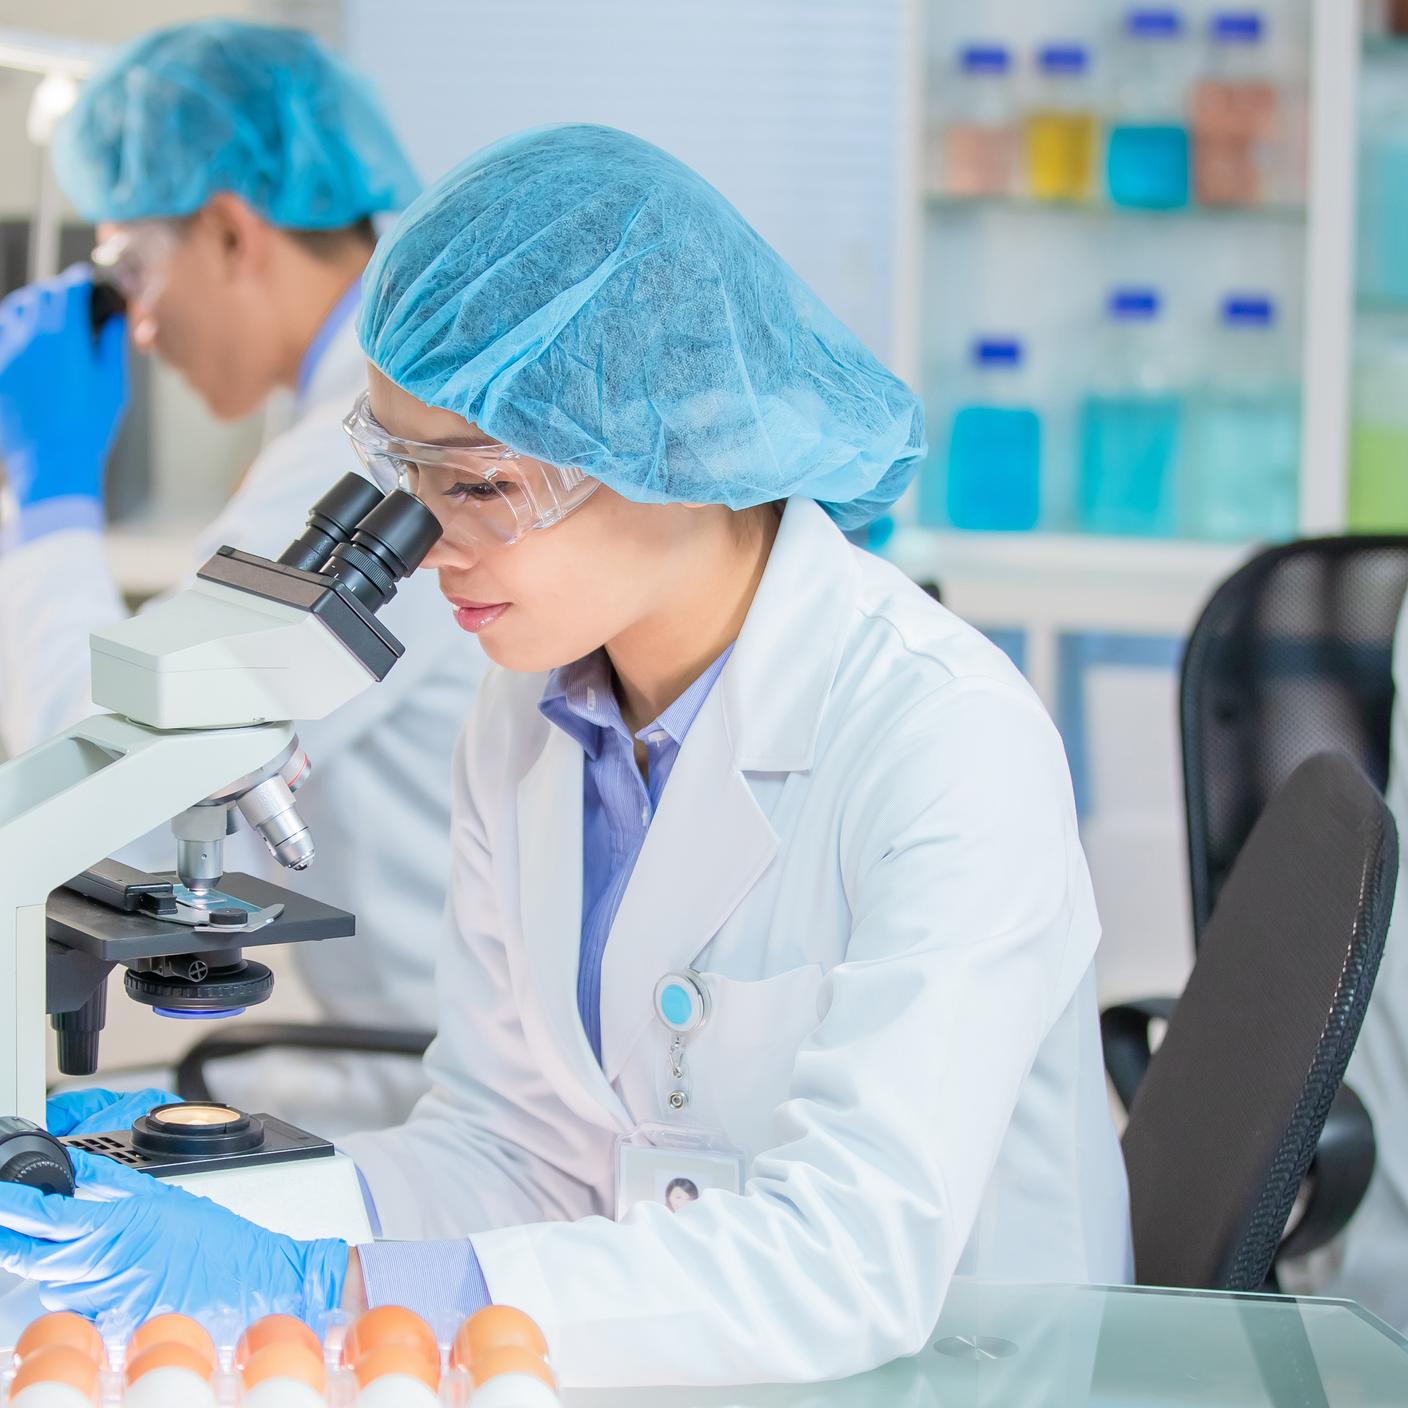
{"x":450,"y":556}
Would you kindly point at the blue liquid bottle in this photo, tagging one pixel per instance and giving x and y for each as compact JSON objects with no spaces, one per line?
{"x":1147,"y":156}
{"x":1130,"y":424}
{"x":1240,"y":471}
{"x":994,"y":448}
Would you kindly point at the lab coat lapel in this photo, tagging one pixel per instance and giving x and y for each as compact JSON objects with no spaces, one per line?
{"x":710,"y":842}
{"x":706,"y":848}
{"x":550,"y":912}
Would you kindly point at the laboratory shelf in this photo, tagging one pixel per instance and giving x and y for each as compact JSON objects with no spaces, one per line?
{"x":939,"y":203}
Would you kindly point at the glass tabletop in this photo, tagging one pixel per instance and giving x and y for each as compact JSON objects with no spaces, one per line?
{"x":1058,"y":1346}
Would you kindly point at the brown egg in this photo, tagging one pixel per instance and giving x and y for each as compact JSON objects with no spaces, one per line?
{"x":396,"y":1359}
{"x":511,"y":1359}
{"x":285,"y":1359}
{"x":63,"y":1327}
{"x":169,"y":1355}
{"x":275,"y":1329}
{"x":58,"y":1364}
{"x":389,"y":1325}
{"x":496,"y":1327}
{"x":174,"y":1329}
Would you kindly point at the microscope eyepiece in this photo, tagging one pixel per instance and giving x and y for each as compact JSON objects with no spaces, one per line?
{"x":389,"y":544}
{"x":331,"y":521}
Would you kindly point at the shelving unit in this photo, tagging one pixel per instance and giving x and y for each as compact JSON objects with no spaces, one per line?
{"x":1096,"y":623}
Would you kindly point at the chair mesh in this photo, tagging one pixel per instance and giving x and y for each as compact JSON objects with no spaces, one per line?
{"x":1293,"y":655}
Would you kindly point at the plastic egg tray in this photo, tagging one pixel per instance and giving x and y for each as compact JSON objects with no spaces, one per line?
{"x":388,"y":1357}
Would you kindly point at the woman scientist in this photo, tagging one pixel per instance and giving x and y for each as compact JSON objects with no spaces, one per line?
{"x":766,"y":871}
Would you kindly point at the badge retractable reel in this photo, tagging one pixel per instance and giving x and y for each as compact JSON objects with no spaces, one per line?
{"x":677,"y":1161}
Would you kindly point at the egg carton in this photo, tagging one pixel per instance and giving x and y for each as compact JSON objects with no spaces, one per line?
{"x":389,"y":1357}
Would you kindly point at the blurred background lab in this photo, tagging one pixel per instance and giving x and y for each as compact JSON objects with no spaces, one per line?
{"x":1147,"y":266}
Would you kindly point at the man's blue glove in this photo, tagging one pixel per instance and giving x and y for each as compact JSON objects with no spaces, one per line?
{"x":131,"y":1244}
{"x":100,"y":1111}
{"x":62,"y":391}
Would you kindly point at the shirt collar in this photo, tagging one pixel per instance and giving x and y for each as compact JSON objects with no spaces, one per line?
{"x":332,"y":325}
{"x":580,"y":700}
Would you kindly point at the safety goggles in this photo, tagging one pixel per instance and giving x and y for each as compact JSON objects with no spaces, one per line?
{"x":135,"y":259}
{"x":483,"y":495}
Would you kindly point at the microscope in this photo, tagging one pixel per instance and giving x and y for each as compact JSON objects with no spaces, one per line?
{"x":202,"y":692}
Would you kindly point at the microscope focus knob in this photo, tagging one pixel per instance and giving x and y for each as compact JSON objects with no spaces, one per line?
{"x":32,"y":1156}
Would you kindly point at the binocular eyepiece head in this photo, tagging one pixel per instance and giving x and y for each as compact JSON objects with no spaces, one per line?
{"x":368,"y":540}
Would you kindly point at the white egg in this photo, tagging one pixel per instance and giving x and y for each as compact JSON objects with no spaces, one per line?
{"x":169,"y":1388}
{"x":50,"y":1396}
{"x":398,"y":1391}
{"x":283,"y":1393}
{"x":514,"y":1391}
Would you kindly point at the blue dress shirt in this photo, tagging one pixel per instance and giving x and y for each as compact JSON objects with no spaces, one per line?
{"x":618,"y":805}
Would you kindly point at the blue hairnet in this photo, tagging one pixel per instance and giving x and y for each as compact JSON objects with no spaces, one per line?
{"x":587,"y":299}
{"x":267,"y":114}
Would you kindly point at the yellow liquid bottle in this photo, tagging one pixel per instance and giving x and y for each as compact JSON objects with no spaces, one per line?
{"x":1060,"y":128}
{"x":1061,"y":154}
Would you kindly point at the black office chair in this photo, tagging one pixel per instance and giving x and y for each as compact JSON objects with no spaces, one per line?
{"x":1226,"y":1120}
{"x":1292,"y":655}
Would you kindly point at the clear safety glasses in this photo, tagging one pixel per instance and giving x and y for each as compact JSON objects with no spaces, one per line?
{"x":136,"y":258}
{"x":483,"y":495}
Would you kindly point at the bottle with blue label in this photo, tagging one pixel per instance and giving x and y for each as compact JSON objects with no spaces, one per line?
{"x":1147,"y":154}
{"x":1239,"y":478}
{"x":974,"y":140}
{"x":994,"y":450}
{"x":1130,"y":423}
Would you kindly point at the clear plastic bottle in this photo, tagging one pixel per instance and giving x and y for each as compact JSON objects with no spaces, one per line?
{"x":1382,"y":256}
{"x":1147,"y":152}
{"x":1238,"y":143}
{"x":1060,"y":126}
{"x":1130,"y":424}
{"x":1240,"y":468}
{"x":993,"y":480}
{"x":974,"y":121}
{"x":1378,"y":444}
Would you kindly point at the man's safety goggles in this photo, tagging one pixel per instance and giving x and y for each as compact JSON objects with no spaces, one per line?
{"x":485,"y":495}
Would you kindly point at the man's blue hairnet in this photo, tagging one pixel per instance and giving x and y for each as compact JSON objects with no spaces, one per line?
{"x":267,"y":114}
{"x":587,"y":299}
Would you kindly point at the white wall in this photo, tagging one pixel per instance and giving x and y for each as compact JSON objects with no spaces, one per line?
{"x":790,"y":107}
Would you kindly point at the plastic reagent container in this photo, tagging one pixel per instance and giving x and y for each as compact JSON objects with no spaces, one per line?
{"x":1236,"y":115}
{"x":1378,"y":444}
{"x":1240,"y":470}
{"x":1060,"y":127}
{"x":994,"y":449}
{"x":977,"y":149}
{"x":1130,"y":424}
{"x":1147,"y":155}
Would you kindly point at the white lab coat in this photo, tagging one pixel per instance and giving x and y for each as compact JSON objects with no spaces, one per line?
{"x":868,"y":844}
{"x":379,"y":799}
{"x":1373,"y":1265}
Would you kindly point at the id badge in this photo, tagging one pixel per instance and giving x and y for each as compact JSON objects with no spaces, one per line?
{"x":674,"y":1165}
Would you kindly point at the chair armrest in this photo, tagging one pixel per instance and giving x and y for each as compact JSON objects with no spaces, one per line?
{"x":1124,"y":1034}
{"x":1338,"y":1176}
{"x":302,"y":1036}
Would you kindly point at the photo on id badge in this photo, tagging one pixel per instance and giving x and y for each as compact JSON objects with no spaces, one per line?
{"x":674,"y":1174}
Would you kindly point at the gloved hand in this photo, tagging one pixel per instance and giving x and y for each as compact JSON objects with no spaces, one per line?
{"x":99,"y":1111}
{"x":61,"y":392}
{"x":132,"y":1244}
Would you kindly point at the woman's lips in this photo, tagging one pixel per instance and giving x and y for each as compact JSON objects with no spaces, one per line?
{"x":474,"y":616}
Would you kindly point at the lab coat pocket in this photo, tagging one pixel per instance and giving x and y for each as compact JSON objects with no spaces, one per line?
{"x":742,"y":1060}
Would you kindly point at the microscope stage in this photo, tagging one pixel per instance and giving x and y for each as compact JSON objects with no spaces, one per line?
{"x":113,"y":936}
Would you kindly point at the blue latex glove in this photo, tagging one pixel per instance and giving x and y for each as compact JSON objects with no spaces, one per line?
{"x":101,"y":1111}
{"x":61,"y":392}
{"x":134,"y":1245}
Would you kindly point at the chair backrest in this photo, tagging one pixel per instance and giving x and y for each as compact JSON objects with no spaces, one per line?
{"x":1292,"y":655}
{"x":1228,"y":1116}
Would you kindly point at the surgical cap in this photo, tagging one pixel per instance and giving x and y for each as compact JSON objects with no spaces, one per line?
{"x":265,"y":113}
{"x":590,"y":301}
